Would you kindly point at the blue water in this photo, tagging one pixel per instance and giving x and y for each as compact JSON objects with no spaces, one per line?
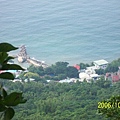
{"x":63,"y":30}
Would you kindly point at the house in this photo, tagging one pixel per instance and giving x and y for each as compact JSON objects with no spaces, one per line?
{"x":100,"y":64}
{"x":90,"y":70}
{"x":77,"y":67}
{"x":114,"y":77}
{"x":95,"y":76}
{"x":84,"y":76}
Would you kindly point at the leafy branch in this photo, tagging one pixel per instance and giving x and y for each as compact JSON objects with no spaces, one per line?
{"x":8,"y":101}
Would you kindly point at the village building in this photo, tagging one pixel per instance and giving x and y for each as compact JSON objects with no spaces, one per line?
{"x":90,"y":70}
{"x":68,"y":80}
{"x":84,"y":76}
{"x":88,"y":77}
{"x":100,"y":64}
{"x":95,"y":76}
{"x":114,"y":77}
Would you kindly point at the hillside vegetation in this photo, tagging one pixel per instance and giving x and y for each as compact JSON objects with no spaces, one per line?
{"x":56,"y":101}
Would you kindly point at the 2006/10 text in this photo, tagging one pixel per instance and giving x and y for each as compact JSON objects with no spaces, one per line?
{"x":108,"y":105}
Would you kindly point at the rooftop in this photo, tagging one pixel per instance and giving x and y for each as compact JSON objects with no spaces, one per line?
{"x":100,"y":62}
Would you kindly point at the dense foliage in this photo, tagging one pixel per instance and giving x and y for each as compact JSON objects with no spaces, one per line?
{"x":84,"y":65}
{"x":58,"y":71}
{"x":56,"y":101}
{"x":8,"y":101}
{"x":113,"y":66}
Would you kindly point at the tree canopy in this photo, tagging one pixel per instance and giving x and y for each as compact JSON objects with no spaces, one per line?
{"x":63,"y":101}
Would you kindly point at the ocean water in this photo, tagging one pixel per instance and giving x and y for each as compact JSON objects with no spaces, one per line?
{"x":63,"y":30}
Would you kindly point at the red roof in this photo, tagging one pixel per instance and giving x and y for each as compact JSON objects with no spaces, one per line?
{"x":115,"y":78}
{"x":77,"y":67}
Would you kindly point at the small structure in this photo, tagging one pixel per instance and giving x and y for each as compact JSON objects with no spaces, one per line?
{"x":84,"y":76}
{"x":88,"y":77}
{"x":90,"y":70}
{"x":100,"y":64}
{"x":77,"y":67}
{"x":37,"y":62}
{"x":95,"y":76}
{"x":72,"y":80}
{"x":22,"y":56}
{"x":114,"y":77}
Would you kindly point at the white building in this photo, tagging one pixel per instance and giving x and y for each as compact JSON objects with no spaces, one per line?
{"x":71,"y":80}
{"x":90,"y":70}
{"x":100,"y":64}
{"x":88,"y":77}
{"x":84,"y":76}
{"x":95,"y":76}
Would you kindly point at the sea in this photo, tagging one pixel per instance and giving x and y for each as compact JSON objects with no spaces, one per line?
{"x":72,"y":31}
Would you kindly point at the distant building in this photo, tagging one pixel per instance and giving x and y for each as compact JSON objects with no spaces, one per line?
{"x":90,"y":70}
{"x":84,"y":76}
{"x":100,"y":64}
{"x":114,"y":77}
{"x":88,"y":77}
{"x":95,"y":76}
{"x":77,"y":67}
{"x":71,"y":80}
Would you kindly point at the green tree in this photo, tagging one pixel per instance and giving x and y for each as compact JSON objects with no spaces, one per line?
{"x":32,"y":75}
{"x":72,"y":72}
{"x":83,"y":65}
{"x":60,"y":68}
{"x":113,"y":66}
{"x":32,"y":68}
{"x":100,"y":71}
{"x":8,"y":101}
{"x":39,"y":70}
{"x":49,"y":71}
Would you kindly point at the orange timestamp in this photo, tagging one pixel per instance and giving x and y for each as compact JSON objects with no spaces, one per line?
{"x":108,"y":105}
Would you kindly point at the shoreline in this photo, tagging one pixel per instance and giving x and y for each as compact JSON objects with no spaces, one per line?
{"x":26,"y":64}
{"x":75,"y":60}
